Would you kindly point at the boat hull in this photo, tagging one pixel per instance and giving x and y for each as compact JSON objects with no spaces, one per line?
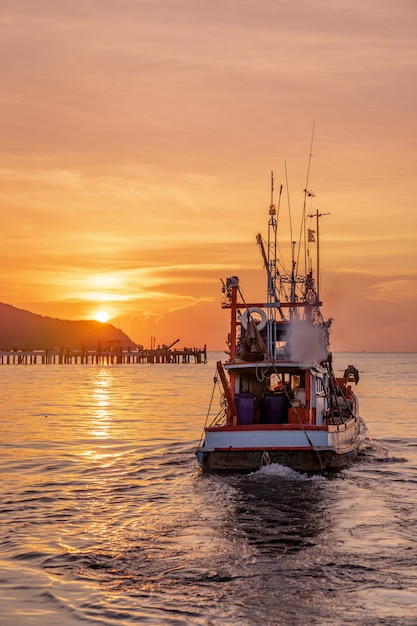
{"x":307,"y":460}
{"x":302,"y":449}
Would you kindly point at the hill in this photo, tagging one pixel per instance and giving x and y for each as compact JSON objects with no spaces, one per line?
{"x":22,"y":330}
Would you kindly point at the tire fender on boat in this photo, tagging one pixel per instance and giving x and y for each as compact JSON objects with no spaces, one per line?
{"x":249,"y":312}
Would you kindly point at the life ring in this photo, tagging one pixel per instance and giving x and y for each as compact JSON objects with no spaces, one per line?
{"x":254,"y":311}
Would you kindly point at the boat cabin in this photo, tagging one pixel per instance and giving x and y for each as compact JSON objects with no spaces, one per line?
{"x":272,"y":393}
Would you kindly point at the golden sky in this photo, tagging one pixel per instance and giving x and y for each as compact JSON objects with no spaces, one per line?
{"x":138,"y":138}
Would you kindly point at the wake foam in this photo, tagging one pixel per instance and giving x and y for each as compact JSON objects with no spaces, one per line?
{"x":275,"y":469}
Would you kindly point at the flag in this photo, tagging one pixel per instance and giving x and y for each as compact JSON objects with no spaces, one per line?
{"x":311,"y":237}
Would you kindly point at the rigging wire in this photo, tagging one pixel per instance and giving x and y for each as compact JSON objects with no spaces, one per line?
{"x":279,"y":257}
{"x":313,"y":447}
{"x":307,"y":194}
{"x":288,"y":200}
{"x":215,"y":383}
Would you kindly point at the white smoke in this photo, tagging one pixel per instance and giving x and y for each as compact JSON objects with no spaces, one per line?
{"x":304,"y":345}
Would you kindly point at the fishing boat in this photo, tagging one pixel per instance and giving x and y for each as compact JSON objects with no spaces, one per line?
{"x":280,"y":399}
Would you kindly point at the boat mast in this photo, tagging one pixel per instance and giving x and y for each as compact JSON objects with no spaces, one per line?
{"x":272,"y":269}
{"x":270,"y":263}
{"x":272,"y":247}
{"x":272,"y":274}
{"x":307,"y":194}
{"x":293,"y":282}
{"x":317,"y":215}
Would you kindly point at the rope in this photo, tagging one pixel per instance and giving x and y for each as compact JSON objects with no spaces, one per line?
{"x":299,"y":418}
{"x":215,"y":381}
{"x":265,"y":459}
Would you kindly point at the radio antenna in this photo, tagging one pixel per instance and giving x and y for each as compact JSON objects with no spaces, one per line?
{"x":310,"y":156}
{"x":307,"y":194}
{"x":288,"y":200}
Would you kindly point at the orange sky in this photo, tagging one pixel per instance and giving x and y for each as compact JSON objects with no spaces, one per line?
{"x":138,"y":138}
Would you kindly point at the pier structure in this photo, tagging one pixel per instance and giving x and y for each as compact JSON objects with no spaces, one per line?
{"x":72,"y":356}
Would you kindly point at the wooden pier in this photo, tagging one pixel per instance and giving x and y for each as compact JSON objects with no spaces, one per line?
{"x":70,"y":356}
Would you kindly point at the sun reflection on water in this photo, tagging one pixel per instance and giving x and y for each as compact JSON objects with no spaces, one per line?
{"x":101,"y":416}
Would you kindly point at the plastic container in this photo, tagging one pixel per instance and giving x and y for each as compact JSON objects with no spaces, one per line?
{"x":246,"y":408}
{"x":275,"y":409}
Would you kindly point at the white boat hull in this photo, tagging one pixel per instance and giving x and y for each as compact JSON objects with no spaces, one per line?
{"x":311,"y":448}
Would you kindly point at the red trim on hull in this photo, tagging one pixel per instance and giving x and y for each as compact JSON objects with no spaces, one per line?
{"x":239,"y":449}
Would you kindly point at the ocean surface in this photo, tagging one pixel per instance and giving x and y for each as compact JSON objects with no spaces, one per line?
{"x":105,"y":518}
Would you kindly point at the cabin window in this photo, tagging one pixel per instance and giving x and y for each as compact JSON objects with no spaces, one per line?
{"x":280,"y":348}
{"x":275,"y":382}
{"x":298,"y":381}
{"x":278,"y":380}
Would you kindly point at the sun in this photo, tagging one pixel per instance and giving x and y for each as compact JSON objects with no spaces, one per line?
{"x":102,"y":316}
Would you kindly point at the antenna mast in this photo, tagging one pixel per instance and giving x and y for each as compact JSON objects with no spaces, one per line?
{"x":272,"y":247}
{"x":317,"y":215}
{"x":270,"y":262}
{"x":307,"y":194}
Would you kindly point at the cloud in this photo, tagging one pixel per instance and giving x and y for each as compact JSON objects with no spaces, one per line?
{"x":138,"y":144}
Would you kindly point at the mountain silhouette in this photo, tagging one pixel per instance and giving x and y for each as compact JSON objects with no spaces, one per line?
{"x":22,"y":330}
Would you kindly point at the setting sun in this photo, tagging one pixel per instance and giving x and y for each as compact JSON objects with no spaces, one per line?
{"x":102,"y":316}
{"x":156,"y":208}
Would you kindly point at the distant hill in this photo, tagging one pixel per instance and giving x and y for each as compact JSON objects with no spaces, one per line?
{"x":20,"y":330}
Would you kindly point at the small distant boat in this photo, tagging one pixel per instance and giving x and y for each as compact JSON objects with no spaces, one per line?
{"x":281,"y":401}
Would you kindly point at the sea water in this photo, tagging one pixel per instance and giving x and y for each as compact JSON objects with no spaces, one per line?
{"x":106,"y":519}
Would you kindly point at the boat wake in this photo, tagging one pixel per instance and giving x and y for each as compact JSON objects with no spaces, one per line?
{"x":275,"y":469}
{"x":368,"y":446}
